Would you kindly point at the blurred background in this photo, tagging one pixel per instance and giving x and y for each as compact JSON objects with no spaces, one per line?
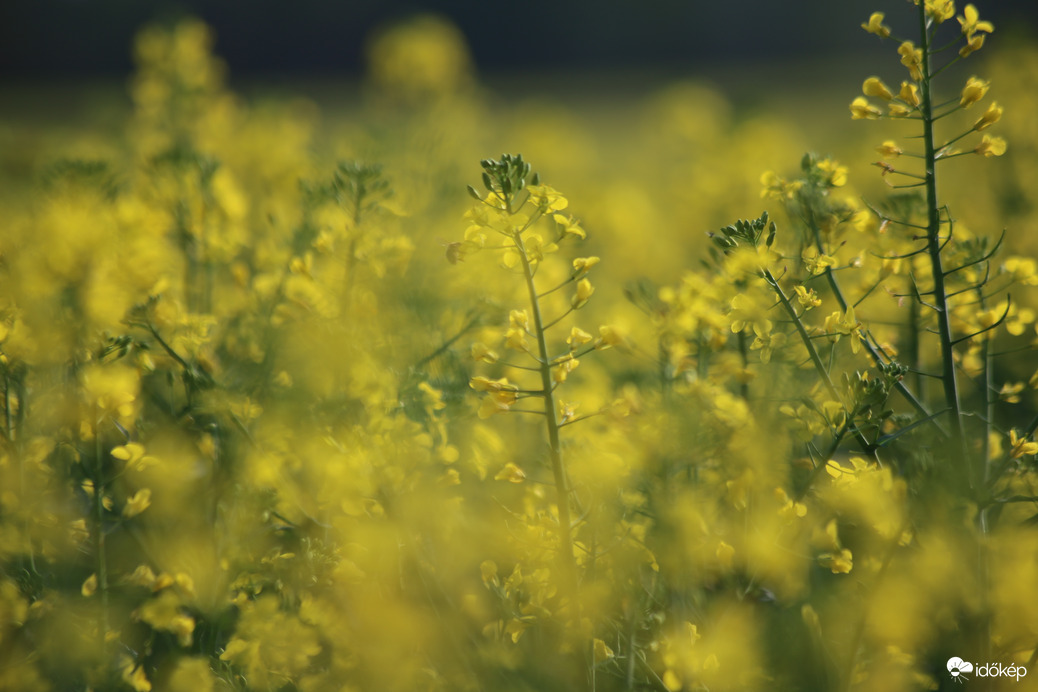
{"x":91,"y":38}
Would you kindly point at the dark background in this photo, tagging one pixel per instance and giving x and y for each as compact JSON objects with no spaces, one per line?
{"x":42,"y":39}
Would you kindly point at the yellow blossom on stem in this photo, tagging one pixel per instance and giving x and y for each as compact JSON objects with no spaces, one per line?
{"x":816,"y":262}
{"x":837,"y":174}
{"x":584,"y":264}
{"x":971,"y":22}
{"x":841,"y":562}
{"x":137,"y":503}
{"x":972,"y":45}
{"x":940,"y":10}
{"x":563,"y":367}
{"x":547,"y":198}
{"x":481,"y":352}
{"x":1020,"y":446}
{"x":875,"y":25}
{"x":766,"y":341}
{"x":896,"y":110}
{"x":577,"y":337}
{"x":991,"y":116}
{"x":807,"y":296}
{"x":912,"y":58}
{"x":1010,"y":392}
{"x":569,"y":225}
{"x":874,"y":86}
{"x":909,"y":94}
{"x":974,"y":91}
{"x":861,"y":109}
{"x":584,"y":291}
{"x":776,"y":187}
{"x":990,"y":146}
{"x":889,"y":149}
{"x":513,"y":474}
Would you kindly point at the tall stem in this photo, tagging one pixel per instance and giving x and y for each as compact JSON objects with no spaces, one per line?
{"x":99,"y":528}
{"x":562,"y":490}
{"x":933,"y":232}
{"x":980,"y":639}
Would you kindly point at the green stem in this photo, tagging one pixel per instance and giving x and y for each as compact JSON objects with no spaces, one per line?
{"x":812,"y":352}
{"x":552,"y":421}
{"x":948,"y":374}
{"x":873,"y":352}
{"x":99,"y":528}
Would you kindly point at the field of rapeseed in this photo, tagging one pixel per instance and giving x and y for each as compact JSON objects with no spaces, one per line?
{"x":297,"y":402}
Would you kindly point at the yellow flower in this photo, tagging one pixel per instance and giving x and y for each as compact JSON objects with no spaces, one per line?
{"x":837,"y":174}
{"x":519,"y":319}
{"x":845,"y":324}
{"x":974,"y":91}
{"x":481,"y":352}
{"x":133,"y":454}
{"x":577,"y":337}
{"x":584,"y":264}
{"x":874,"y":86}
{"x":889,"y":149}
{"x":912,"y":58}
{"x":584,"y":291}
{"x":609,"y":336}
{"x":861,"y":109}
{"x":137,"y":503}
{"x":940,"y":10}
{"x":1010,"y":392}
{"x":991,"y":116}
{"x":779,"y":188}
{"x":496,"y":402}
{"x":165,"y":612}
{"x":569,"y":225}
{"x":563,"y":367}
{"x":990,"y":146}
{"x":511,"y":473}
{"x":133,"y":674}
{"x":815,"y":262}
{"x":971,"y":23}
{"x":839,"y":563}
{"x":972,"y":45}
{"x":602,"y":651}
{"x":547,"y":198}
{"x":909,"y":94}
{"x":896,"y":110}
{"x":807,"y":296}
{"x":1019,"y":446}
{"x":485,"y":384}
{"x":875,"y":25}
{"x":765,"y":340}
{"x":89,"y":587}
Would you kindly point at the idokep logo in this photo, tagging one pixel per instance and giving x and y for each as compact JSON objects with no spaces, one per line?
{"x":960,"y":669}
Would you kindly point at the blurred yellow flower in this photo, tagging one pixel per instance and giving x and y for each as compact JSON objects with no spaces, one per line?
{"x":137,"y":503}
{"x":909,"y":93}
{"x":889,"y":149}
{"x":862,"y":109}
{"x":990,"y":146}
{"x":912,"y":58}
{"x":874,"y":86}
{"x":875,"y":25}
{"x":991,"y":116}
{"x":974,"y":91}
{"x":971,"y":22}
